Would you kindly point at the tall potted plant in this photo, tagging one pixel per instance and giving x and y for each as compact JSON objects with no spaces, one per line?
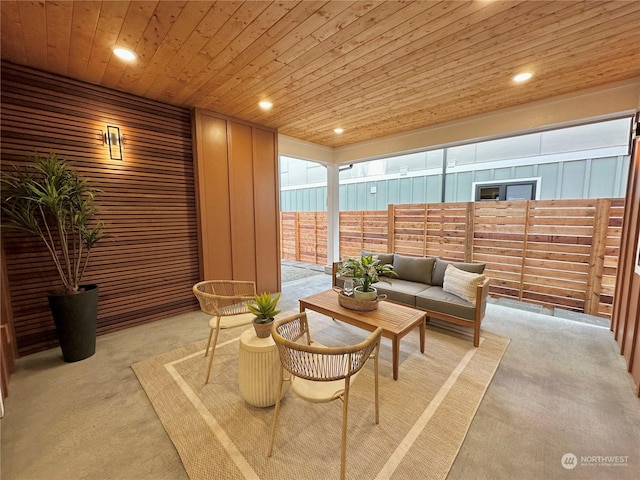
{"x":48,"y":199}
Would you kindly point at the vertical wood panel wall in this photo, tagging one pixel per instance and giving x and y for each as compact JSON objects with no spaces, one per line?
{"x":237,"y":191}
{"x":149,"y":262}
{"x":626,"y":311}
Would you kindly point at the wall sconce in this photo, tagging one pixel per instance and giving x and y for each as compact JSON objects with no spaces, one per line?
{"x":113,"y":140}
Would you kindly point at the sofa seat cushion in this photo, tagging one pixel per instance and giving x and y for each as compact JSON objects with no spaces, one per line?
{"x":401,"y":291}
{"x":437,"y":300}
{"x":414,"y":269}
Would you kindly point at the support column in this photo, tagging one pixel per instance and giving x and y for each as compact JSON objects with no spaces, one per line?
{"x":333,"y":215}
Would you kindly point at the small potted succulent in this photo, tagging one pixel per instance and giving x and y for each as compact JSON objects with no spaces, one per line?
{"x":264,"y":308}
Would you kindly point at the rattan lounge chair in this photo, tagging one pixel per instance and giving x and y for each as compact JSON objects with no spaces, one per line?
{"x":318,"y":373}
{"x":226,"y":301}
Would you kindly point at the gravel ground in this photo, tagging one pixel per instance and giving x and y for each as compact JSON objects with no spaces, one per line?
{"x":292,"y":272}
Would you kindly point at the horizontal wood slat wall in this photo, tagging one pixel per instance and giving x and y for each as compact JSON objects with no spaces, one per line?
{"x":146,"y":267}
{"x":557,"y":253}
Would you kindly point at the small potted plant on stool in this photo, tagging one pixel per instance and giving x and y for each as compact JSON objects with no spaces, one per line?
{"x":264,"y":308}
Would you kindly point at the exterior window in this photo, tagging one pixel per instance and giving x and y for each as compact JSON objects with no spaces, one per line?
{"x":506,"y":191}
{"x":525,"y":191}
{"x":488,"y":193}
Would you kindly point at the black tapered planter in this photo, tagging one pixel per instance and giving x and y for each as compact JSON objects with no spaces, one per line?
{"x":75,"y":316}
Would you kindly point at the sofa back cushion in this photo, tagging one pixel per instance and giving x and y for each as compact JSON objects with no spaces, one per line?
{"x":414,"y":269}
{"x":441,"y":267}
{"x":383,"y":257}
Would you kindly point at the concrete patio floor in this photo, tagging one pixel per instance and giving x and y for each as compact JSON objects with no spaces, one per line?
{"x":562,"y":388}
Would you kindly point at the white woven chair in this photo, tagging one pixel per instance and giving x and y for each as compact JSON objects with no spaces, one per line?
{"x":226,"y":301}
{"x":318,"y":373}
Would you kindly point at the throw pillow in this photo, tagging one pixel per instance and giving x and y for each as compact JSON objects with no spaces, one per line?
{"x":462,"y":284}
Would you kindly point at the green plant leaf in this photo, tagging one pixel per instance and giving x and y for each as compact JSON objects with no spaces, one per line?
{"x":366,"y":271}
{"x":264,"y":306}
{"x":48,"y":199}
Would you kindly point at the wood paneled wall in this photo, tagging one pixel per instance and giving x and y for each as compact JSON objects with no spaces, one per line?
{"x":237,"y":189}
{"x":149,"y":262}
{"x":626,"y":311}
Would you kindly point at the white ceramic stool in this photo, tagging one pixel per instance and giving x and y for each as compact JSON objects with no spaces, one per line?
{"x":258,"y":369}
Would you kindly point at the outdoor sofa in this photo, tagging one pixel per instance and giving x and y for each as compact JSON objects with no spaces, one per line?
{"x":451,"y":291}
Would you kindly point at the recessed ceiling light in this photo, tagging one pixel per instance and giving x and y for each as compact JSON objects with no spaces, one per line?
{"x":265,"y":105}
{"x":338,"y":130}
{"x":124,"y":54}
{"x":522,"y":77}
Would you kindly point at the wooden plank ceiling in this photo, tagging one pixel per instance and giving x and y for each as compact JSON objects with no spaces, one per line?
{"x":374,"y":68}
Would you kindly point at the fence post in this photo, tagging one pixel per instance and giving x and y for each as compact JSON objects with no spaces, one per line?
{"x":391,"y":228}
{"x":315,"y":237}
{"x":296,"y":224}
{"x":425,"y":229}
{"x":525,"y":241}
{"x":596,"y":260}
{"x":469,"y":233}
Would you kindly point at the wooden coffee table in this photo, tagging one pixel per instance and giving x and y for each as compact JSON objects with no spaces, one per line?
{"x":395,"y":320}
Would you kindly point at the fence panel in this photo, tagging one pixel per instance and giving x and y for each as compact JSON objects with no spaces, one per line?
{"x":289,"y":249}
{"x":312,"y":228}
{"x":303,"y":237}
{"x":611,"y":254}
{"x":499,"y":231}
{"x":556,"y":253}
{"x":409,"y":229}
{"x":363,"y":230}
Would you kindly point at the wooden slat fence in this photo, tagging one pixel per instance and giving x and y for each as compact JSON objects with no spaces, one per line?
{"x":363,"y":230}
{"x":303,"y":237}
{"x":556,"y":253}
{"x":436,"y":230}
{"x":611,"y":257}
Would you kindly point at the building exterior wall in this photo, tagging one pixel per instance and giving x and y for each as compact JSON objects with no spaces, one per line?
{"x":587,"y":161}
{"x":586,"y":178}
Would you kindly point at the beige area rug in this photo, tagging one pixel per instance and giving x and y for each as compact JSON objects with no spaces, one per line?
{"x":424,"y":415}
